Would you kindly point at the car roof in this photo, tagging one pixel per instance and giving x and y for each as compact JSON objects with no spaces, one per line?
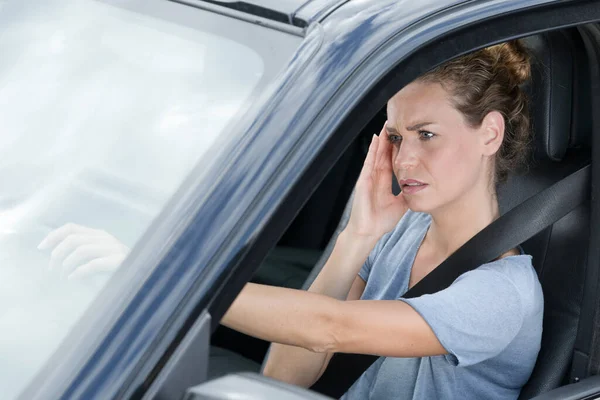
{"x":302,"y":13}
{"x":284,"y":11}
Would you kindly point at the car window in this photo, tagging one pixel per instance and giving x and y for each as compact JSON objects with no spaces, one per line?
{"x":104,"y":111}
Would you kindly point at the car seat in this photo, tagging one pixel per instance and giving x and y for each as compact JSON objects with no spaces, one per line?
{"x":562,"y":124}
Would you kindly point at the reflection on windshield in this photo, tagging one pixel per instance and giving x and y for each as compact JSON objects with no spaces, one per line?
{"x":103,"y":112}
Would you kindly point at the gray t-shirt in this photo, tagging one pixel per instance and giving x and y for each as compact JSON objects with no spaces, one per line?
{"x":489,"y":320}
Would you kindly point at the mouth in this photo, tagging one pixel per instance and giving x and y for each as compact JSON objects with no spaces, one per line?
{"x":410,"y":186}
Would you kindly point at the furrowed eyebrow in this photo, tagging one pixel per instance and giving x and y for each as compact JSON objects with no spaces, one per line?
{"x":418,"y":126}
{"x":391,"y":130}
{"x":415,"y":127}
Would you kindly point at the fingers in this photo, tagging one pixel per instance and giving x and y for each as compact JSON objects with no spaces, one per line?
{"x":84,"y":254}
{"x":64,"y":248}
{"x":98,"y":265}
{"x":75,"y":246}
{"x":378,"y":164}
{"x":384,"y":152}
{"x":58,"y":235}
{"x":370,"y":159}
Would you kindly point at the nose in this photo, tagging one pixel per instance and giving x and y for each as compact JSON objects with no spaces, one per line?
{"x":406,"y":158}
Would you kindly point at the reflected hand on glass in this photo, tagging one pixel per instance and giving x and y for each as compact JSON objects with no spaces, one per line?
{"x":78,"y":251}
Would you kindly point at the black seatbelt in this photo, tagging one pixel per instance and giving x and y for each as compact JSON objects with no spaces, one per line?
{"x":507,"y":232}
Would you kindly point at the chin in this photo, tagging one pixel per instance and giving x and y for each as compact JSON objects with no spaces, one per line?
{"x":423,"y":204}
{"x":418,"y":206}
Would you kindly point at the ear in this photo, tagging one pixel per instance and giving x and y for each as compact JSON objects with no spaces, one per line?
{"x":492,"y":132}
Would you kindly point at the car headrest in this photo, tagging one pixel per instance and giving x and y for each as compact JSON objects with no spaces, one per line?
{"x":557,"y":80}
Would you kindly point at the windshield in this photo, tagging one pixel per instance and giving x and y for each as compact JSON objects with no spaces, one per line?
{"x":103,"y":111}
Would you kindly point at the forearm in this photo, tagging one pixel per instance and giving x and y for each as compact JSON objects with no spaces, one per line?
{"x":295,"y":365}
{"x":303,"y":367}
{"x":272,"y":313}
{"x":342,"y":267}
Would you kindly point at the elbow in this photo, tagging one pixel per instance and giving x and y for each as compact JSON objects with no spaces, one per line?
{"x":329,"y":330}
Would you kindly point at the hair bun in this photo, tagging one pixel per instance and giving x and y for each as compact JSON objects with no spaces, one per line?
{"x":514,"y":56}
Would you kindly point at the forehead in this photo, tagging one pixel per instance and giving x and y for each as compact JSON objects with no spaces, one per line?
{"x":419,"y":101}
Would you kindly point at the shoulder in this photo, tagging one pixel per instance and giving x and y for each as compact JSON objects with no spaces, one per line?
{"x":516,"y":269}
{"x":513,"y":274}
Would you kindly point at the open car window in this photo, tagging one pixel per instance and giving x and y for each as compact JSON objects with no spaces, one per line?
{"x":104,"y":111}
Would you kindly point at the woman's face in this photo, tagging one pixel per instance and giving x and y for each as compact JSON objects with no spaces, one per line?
{"x":434,"y":148}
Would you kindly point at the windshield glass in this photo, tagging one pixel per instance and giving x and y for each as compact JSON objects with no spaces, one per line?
{"x":103,"y":112}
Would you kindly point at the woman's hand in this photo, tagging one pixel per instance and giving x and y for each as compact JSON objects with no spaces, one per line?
{"x":79,"y":251}
{"x":375,"y":209}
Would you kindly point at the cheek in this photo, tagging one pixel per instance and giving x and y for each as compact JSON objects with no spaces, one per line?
{"x":452,"y":167}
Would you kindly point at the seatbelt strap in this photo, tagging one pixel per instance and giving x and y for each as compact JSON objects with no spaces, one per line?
{"x":507,"y":232}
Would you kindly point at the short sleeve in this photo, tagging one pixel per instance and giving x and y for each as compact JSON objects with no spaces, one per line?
{"x":365,"y":270}
{"x":475,"y":318}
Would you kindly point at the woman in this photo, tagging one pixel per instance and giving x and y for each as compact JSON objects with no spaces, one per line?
{"x":450,"y":137}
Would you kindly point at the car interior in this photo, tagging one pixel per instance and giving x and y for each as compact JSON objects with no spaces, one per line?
{"x":561,"y":115}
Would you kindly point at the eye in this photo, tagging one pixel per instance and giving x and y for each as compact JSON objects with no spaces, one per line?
{"x":426,"y":135}
{"x":394,"y":139}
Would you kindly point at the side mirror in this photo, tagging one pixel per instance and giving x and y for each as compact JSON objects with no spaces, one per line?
{"x":249,"y":386}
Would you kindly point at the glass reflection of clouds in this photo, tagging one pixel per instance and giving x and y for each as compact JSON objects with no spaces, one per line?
{"x":103,"y":113}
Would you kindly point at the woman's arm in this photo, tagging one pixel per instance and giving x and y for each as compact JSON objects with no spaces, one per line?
{"x":338,"y":279}
{"x":300,"y":366}
{"x":323,"y":324}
